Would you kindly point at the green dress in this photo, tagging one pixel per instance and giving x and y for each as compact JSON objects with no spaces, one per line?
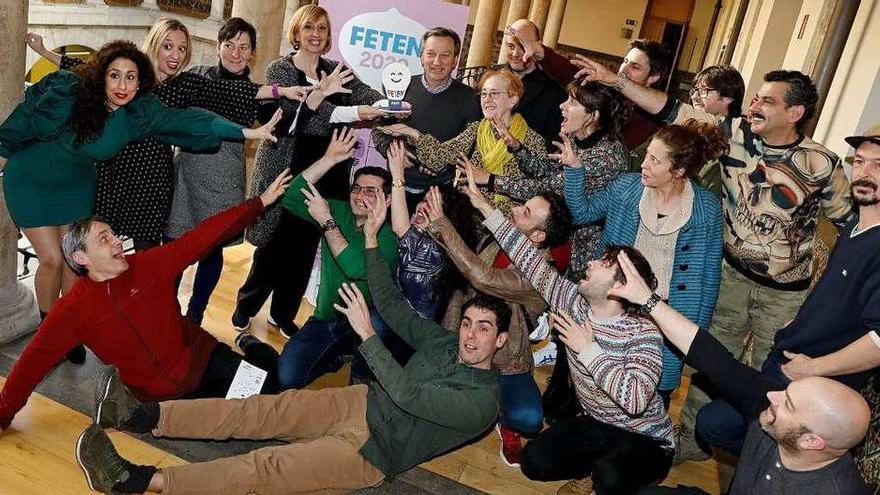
{"x":49,"y":181}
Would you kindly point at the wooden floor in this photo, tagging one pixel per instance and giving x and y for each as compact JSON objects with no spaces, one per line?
{"x":36,"y":454}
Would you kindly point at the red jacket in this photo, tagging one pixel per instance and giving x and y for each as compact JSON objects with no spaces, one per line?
{"x":132,"y":322}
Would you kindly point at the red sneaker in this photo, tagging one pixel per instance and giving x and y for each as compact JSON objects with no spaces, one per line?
{"x":511,"y":445}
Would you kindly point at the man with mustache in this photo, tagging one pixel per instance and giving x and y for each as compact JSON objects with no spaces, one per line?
{"x":775,"y":184}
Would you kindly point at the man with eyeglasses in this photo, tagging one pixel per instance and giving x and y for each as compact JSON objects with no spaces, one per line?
{"x":327,"y":339}
{"x":775,"y":183}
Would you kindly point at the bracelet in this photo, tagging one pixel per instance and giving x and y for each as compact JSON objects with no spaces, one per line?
{"x":490,"y":185}
{"x":275,"y":93}
{"x":645,"y":309}
{"x":328,"y":226}
{"x":398,"y":182}
{"x":621,"y":82}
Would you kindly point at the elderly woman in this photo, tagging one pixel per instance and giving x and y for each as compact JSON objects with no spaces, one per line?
{"x":672,"y":221}
{"x":67,"y":122}
{"x":134,"y":189}
{"x":285,"y":244}
{"x":482,"y":142}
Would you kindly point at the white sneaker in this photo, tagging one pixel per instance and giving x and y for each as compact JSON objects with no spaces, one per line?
{"x":545,"y":356}
{"x":542,"y":329}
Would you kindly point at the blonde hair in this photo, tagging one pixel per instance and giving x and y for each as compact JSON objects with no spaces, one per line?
{"x":157,"y":34}
{"x":303,"y":14}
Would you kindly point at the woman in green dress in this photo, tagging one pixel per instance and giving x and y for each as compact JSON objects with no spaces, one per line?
{"x":70,"y":120}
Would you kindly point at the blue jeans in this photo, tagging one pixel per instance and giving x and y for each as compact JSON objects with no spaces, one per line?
{"x":521,"y":408}
{"x":722,"y":426}
{"x":321,"y":347}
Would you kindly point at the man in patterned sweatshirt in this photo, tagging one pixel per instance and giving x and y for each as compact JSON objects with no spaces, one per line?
{"x":624,"y":441}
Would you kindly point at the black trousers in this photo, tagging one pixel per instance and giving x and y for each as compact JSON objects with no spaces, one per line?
{"x":223,"y":364}
{"x":280,"y":267}
{"x":619,"y":461}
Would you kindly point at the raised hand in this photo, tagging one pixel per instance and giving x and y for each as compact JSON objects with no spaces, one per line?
{"x":335,"y":82}
{"x":341,"y":146}
{"x":567,"y":155}
{"x":397,"y":159}
{"x":474,"y":194}
{"x":575,"y":336}
{"x":377,"y":211}
{"x":481,"y":177}
{"x":318,"y":207}
{"x":434,"y":204}
{"x":504,"y":133}
{"x":35,"y":41}
{"x":532,"y":48}
{"x":399,"y":130}
{"x":590,"y":70}
{"x":277,"y":188}
{"x":635,"y":290}
{"x":264,"y":131}
{"x":298,"y":93}
{"x":354,"y":307}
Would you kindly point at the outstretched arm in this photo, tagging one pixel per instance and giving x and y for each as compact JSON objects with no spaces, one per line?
{"x":860,"y":355}
{"x":35,"y":41}
{"x":649,"y":99}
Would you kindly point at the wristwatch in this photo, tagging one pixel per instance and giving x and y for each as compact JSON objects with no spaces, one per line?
{"x":645,"y":309}
{"x":398,"y":182}
{"x":329,"y":225}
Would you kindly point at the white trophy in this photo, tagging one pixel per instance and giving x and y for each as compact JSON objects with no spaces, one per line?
{"x":395,"y":79}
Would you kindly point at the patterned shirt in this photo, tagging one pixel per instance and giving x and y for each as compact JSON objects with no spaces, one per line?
{"x":616,"y":377}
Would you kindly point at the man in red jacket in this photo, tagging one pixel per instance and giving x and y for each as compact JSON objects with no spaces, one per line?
{"x":125,"y":309}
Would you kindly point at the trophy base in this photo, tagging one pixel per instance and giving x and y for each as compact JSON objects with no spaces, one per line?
{"x":401,"y":108}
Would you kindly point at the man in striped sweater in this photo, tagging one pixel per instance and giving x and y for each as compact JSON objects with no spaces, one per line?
{"x":624,"y":441}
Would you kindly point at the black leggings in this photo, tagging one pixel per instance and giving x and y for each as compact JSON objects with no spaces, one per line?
{"x":619,"y":461}
{"x":223,"y":364}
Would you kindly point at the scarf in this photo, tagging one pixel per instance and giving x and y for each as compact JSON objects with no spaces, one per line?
{"x":493,"y":149}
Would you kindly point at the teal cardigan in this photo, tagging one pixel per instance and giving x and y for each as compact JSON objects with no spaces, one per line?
{"x":696,"y":270}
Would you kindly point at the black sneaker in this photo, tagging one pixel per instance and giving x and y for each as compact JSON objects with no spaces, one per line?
{"x":103,"y":466}
{"x":285,"y":329}
{"x":77,"y":355}
{"x":240,"y":322}
{"x":114,"y":404}
{"x":245,"y":339}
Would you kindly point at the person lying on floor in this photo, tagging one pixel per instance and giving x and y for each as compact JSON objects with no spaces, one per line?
{"x":125,"y":309}
{"x":341,"y":439}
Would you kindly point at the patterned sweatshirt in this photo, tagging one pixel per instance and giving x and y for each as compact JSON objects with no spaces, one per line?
{"x":615,"y":377}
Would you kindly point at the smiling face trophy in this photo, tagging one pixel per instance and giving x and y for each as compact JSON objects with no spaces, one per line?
{"x":395,"y":78}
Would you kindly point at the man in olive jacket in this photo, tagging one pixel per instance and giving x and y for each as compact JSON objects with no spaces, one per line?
{"x":340,"y":438}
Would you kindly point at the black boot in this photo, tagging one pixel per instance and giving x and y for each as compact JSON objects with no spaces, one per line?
{"x":560,"y":400}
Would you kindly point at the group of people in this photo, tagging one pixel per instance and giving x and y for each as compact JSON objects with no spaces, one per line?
{"x":646,"y":232}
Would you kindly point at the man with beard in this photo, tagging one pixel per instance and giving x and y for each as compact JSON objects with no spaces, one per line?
{"x":799,"y":435}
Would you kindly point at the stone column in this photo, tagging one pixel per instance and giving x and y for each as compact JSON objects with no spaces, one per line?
{"x":217,"y":10}
{"x":538,"y":13}
{"x":267,"y":16}
{"x":519,"y":9}
{"x":483,"y":38}
{"x":554,"y":23}
{"x":18,"y":307}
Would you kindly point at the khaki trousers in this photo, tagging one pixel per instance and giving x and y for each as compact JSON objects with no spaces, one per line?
{"x":326,"y":429}
{"x":744,"y":306}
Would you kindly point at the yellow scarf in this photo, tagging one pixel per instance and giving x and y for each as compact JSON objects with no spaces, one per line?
{"x":493,"y":149}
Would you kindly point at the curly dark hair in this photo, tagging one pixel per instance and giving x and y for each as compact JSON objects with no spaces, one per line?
{"x":491,"y":303}
{"x":613,"y":109}
{"x":469,"y":224}
{"x":801,"y":91}
{"x":692,"y":144}
{"x":557,"y":228}
{"x":90,"y":110}
{"x":639,"y":262}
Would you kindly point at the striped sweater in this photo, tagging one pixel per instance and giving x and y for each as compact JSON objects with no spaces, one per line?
{"x":616,"y":377}
{"x":696,"y":266}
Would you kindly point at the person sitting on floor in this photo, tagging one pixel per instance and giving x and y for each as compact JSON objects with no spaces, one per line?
{"x":125,"y":309}
{"x":341,"y":439}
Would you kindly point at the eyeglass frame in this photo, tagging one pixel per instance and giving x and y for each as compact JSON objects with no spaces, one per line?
{"x":492,"y":95}
{"x":702,"y":92}
{"x":369,"y":191}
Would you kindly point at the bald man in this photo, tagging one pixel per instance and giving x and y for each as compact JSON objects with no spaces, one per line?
{"x":540,"y":102}
{"x":798,"y":436}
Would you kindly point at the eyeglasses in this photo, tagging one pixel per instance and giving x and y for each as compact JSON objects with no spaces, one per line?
{"x":369,"y":192}
{"x":493,"y":95}
{"x":701,"y":92}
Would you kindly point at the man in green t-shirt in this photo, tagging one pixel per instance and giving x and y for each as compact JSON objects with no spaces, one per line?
{"x":326,"y":338}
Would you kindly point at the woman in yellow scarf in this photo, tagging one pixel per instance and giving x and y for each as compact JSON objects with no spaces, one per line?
{"x":481,"y":142}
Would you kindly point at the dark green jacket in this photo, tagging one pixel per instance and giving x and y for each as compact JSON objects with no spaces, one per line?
{"x":434,"y":403}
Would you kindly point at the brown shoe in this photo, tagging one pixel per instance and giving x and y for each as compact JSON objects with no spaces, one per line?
{"x":583,"y":486}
